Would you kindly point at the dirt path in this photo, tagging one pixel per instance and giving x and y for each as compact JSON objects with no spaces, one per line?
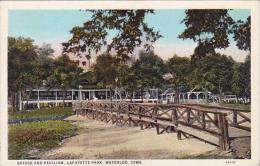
{"x":98,"y":140}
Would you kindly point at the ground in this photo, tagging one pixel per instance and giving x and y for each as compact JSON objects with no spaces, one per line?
{"x":99,"y":140}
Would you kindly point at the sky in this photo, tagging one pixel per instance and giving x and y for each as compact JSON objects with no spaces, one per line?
{"x":53,"y":27}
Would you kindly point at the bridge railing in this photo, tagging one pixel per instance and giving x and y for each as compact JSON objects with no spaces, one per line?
{"x":238,"y":118}
{"x":183,"y":119}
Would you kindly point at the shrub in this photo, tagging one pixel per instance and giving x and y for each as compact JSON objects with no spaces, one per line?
{"x":40,"y":135}
{"x":40,"y":113}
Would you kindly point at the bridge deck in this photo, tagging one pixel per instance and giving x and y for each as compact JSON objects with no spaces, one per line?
{"x":213,"y":126}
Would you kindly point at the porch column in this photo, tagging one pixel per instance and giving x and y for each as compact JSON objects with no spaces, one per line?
{"x":197,"y":94}
{"x":157,"y":95}
{"x":56,"y":98}
{"x":106,"y":94}
{"x":72,"y":92}
{"x":38,"y":104}
{"x":20,"y":101}
{"x":80,"y":95}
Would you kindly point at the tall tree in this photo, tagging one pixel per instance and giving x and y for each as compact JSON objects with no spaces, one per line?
{"x":180,"y":68}
{"x":45,"y":50}
{"x":105,"y":70}
{"x":130,"y":29}
{"x":216,"y":71}
{"x":241,"y":79}
{"x":65,"y":74}
{"x":242,"y":34}
{"x":21,"y":64}
{"x":149,"y":70}
{"x":211,"y":28}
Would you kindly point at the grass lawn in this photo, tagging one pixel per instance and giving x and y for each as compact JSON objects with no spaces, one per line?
{"x":37,"y":135}
{"x":239,"y":106}
{"x":42,"y":113}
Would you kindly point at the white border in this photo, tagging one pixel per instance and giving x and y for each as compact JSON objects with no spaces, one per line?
{"x":255,"y":59}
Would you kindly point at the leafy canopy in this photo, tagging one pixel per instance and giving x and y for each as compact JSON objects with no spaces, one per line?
{"x":65,"y":73}
{"x":21,"y":63}
{"x":242,"y":34}
{"x":179,"y":67}
{"x":149,"y":69}
{"x":211,"y":28}
{"x":130,"y":30}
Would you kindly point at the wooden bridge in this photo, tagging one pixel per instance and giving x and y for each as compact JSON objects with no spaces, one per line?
{"x":210,"y":125}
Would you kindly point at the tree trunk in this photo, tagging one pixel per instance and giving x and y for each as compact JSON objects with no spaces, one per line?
{"x":28,"y":97}
{"x":13,"y":100}
{"x":21,"y":102}
{"x":16,"y":101}
{"x":206,"y":96}
{"x":63,"y":98}
{"x":220,"y":93}
{"x":142,"y":96}
{"x":176,"y":95}
{"x":110,"y":91}
{"x":131,"y":96}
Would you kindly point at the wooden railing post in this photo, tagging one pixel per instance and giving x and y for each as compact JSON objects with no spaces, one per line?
{"x":155,"y":113}
{"x":188,"y":115}
{"x":221,"y":131}
{"x":174,"y":116}
{"x":140,"y":121}
{"x":179,"y":135}
{"x":235,"y":118}
{"x":203,"y":120}
{"x":223,"y":128}
{"x":118,"y":114}
{"x":128,"y":115}
{"x":216,"y":118}
{"x":226,"y":134}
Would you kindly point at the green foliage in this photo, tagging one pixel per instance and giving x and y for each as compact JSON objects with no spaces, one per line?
{"x":88,"y":78}
{"x":105,"y":70}
{"x":210,"y":28}
{"x":45,"y":50}
{"x":41,"y":113}
{"x":130,"y":29}
{"x":180,"y":69}
{"x":149,"y":70}
{"x":29,"y":66}
{"x":21,"y":67}
{"x":65,"y":73}
{"x":241,"y":79}
{"x":214,"y":72}
{"x":21,"y":56}
{"x":41,"y":135}
{"x":242,"y":34}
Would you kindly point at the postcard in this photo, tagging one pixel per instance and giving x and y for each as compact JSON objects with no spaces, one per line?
{"x":129,"y":83}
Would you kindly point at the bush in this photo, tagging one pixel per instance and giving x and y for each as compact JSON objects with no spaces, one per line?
{"x":41,"y":135}
{"x":42,"y":113}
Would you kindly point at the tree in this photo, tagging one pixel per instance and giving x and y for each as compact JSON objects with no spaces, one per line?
{"x":241,"y":79}
{"x":215,"y":72}
{"x":21,"y":64}
{"x":130,"y":28}
{"x":208,"y":27}
{"x":65,"y":74}
{"x":42,"y":67}
{"x":149,"y":70}
{"x":105,"y":70}
{"x":179,"y":67}
{"x":45,"y":50}
{"x":242,"y":34}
